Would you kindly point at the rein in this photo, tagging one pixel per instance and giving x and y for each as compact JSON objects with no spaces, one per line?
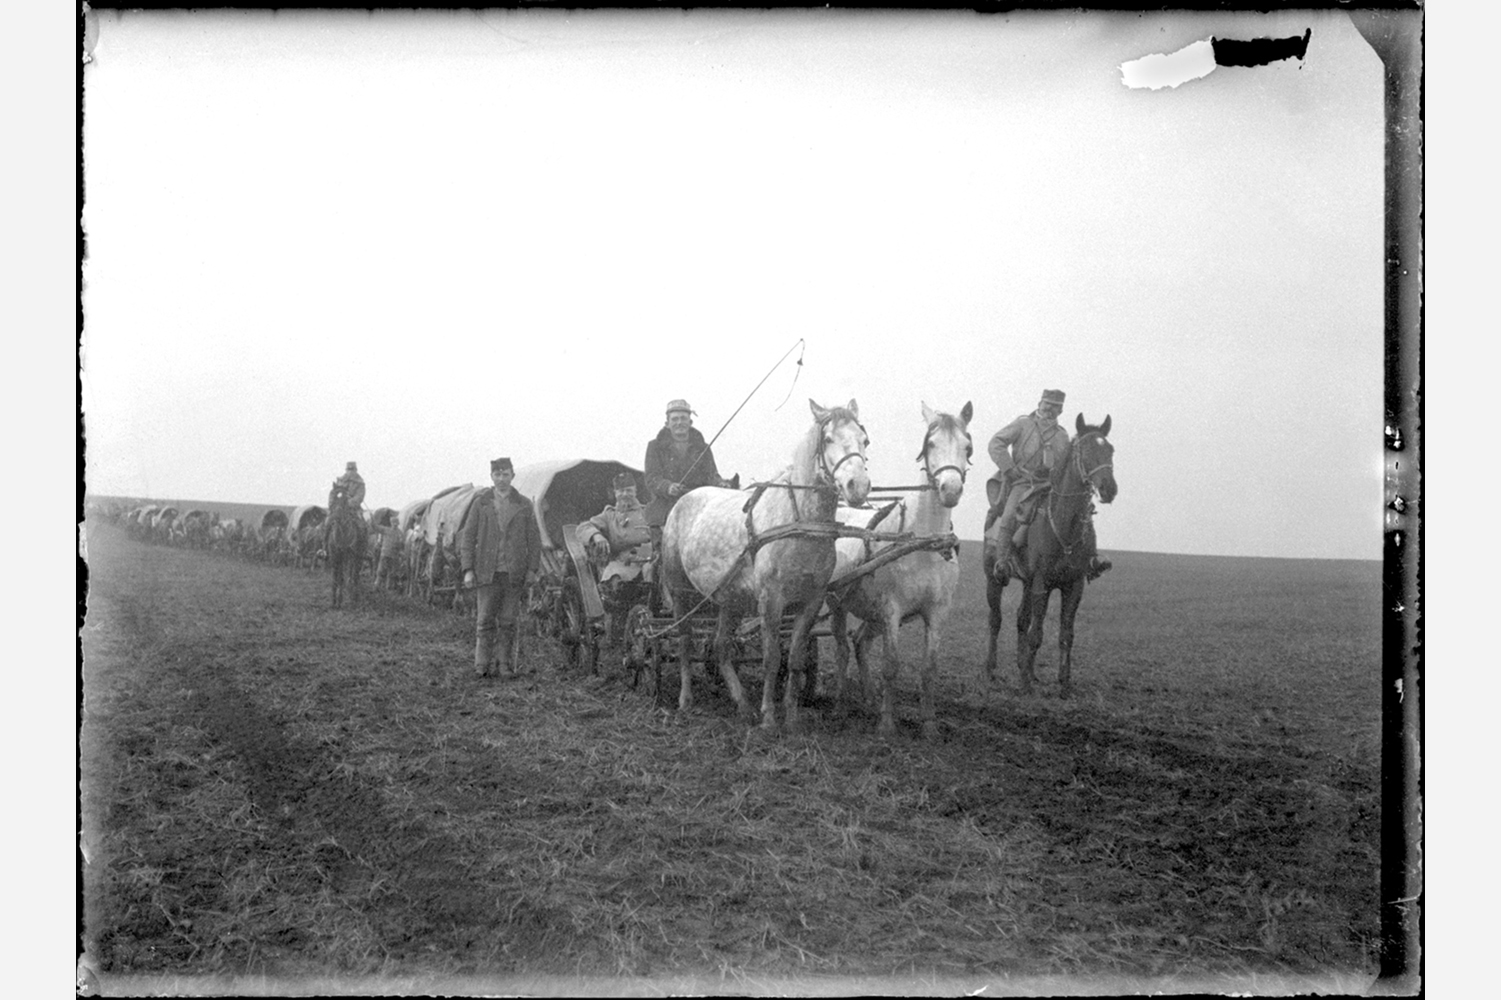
{"x":1077,"y":460}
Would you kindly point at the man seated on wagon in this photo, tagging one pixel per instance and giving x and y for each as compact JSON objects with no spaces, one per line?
{"x":619,"y":538}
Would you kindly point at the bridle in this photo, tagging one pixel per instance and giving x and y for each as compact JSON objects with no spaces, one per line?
{"x":1077,"y":458}
{"x":933,"y":474}
{"x":826,"y":471}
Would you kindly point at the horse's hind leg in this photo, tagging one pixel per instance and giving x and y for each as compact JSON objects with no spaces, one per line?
{"x":1073,"y":596}
{"x":724,"y":654}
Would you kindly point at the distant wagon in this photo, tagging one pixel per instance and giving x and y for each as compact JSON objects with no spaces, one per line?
{"x":304,"y":526}
{"x":438,"y":571}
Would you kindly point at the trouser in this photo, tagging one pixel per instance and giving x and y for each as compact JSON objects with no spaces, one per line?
{"x":497,"y":607}
{"x":383,"y":571}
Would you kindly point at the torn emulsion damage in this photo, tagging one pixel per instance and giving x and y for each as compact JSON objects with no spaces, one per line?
{"x":1198,"y":59}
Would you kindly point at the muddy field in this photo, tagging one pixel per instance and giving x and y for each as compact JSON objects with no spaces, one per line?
{"x":279,"y":797}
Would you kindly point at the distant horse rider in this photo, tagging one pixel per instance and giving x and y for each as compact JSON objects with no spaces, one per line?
{"x":353,"y":489}
{"x":500,"y":550}
{"x":619,"y":537}
{"x":1026,"y":451}
{"x":678,"y":459}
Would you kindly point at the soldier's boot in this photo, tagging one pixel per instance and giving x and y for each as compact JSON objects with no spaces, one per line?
{"x":483,"y":655}
{"x":1005,"y":545}
{"x":505,"y":637}
{"x":988,"y":557}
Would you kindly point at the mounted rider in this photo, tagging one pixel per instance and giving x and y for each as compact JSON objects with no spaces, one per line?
{"x":619,"y":537}
{"x":1026,"y":451}
{"x":678,"y":459}
{"x":352,"y":489}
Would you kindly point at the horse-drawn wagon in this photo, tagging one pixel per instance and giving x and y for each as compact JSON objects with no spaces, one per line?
{"x":437,"y":559}
{"x":304,"y":529}
{"x":566,"y":602}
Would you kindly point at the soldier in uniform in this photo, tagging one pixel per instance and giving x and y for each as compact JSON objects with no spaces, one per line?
{"x":1025,"y":452}
{"x":500,"y":550}
{"x":618,"y":537}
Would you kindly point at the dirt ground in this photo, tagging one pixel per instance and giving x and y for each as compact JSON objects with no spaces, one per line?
{"x":280,"y":797}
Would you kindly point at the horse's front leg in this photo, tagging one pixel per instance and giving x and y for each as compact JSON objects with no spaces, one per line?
{"x":771,"y":607}
{"x":1073,"y":596}
{"x":933,"y":625}
{"x":1029,"y":636}
{"x":994,"y":590}
{"x":724,"y":654}
{"x":839,"y":626}
{"x":797,"y":664}
{"x":891,"y":665}
{"x":685,"y":665}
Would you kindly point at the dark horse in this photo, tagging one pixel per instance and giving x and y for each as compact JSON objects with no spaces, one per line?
{"x":1056,"y":555}
{"x":344,"y":541}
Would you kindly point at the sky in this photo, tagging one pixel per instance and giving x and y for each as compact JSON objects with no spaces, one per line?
{"x":423,"y":240}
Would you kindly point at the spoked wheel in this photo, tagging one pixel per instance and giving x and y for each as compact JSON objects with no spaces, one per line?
{"x":575,"y":630}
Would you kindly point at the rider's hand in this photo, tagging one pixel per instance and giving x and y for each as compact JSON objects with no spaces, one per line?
{"x":468,"y":577}
{"x":600,"y":549}
{"x":676,"y":489}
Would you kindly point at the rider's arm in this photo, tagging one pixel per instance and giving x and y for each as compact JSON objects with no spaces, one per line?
{"x":655,"y":469}
{"x":1000,"y":444}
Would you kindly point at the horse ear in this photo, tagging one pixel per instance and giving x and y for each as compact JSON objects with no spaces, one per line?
{"x":818,"y":411}
{"x":1105,"y":427}
{"x":928,"y":416}
{"x":1079,"y":423}
{"x":854,"y":409}
{"x":966,"y":413}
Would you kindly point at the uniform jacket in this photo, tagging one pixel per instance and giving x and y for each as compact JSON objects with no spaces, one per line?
{"x":663,"y":468}
{"x":1035,"y":448}
{"x":354,"y":488}
{"x":504,"y":541}
{"x":625,"y":530}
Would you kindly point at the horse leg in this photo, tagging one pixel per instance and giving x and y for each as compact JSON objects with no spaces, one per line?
{"x":839,"y":626}
{"x":1031,"y":640}
{"x":1023,"y":650}
{"x":685,"y":666}
{"x":771,"y":656}
{"x":932,"y":624}
{"x":724,"y":652}
{"x":336,"y":595}
{"x":890,"y":667}
{"x":797,"y":663}
{"x":1073,"y":596}
{"x":994,"y":590}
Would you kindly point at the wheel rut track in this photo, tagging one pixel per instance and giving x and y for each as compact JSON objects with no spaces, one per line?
{"x":335,"y":827}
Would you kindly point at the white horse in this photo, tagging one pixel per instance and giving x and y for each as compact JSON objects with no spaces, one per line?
{"x":918,"y":585}
{"x":769,"y":549}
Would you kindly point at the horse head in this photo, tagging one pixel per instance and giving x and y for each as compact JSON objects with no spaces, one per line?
{"x":946,"y":451}
{"x":841,"y":450}
{"x":1094,"y":457}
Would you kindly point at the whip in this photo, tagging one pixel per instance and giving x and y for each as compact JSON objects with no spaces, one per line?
{"x":799,"y":346}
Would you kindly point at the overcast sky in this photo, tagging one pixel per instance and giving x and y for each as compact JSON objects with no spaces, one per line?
{"x":423,"y":240}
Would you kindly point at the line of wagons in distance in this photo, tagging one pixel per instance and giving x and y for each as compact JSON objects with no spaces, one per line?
{"x":566,"y":604}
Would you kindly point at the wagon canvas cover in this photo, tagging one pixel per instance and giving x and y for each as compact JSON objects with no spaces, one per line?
{"x":570,"y":491}
{"x":309,"y":515}
{"x":445,"y":514}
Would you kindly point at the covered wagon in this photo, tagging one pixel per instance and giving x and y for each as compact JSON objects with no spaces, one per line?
{"x":566,"y":602}
{"x":438,"y":558}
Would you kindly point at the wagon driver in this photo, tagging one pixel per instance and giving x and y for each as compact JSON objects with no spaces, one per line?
{"x":1025,"y":452}
{"x":500,"y":550}
{"x":678,"y":459}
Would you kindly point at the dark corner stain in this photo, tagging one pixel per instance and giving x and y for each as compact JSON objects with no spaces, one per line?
{"x":1259,"y":51}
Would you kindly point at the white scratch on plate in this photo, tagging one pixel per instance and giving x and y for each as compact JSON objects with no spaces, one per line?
{"x":1192,"y":62}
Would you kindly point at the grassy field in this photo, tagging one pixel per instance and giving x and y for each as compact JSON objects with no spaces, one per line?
{"x":282,"y":797}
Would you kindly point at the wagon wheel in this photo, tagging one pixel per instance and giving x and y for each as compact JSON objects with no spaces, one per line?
{"x":574,"y":629}
{"x":633,"y":639}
